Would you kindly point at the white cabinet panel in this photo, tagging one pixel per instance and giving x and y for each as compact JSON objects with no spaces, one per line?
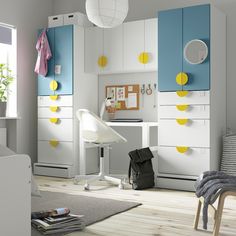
{"x":45,"y":101}
{"x":193,"y":97}
{"x":93,"y":48}
{"x":61,"y":131}
{"x":133,"y":45}
{"x":61,"y":112}
{"x":61,"y":154}
{"x":151,"y":36}
{"x":193,"y":162}
{"x":193,"y":111}
{"x":113,"y":49}
{"x":194,"y":134}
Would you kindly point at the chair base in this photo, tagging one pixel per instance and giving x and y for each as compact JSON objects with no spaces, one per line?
{"x":100,"y":177}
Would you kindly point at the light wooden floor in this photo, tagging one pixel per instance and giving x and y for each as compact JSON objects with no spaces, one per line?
{"x":164,"y":212}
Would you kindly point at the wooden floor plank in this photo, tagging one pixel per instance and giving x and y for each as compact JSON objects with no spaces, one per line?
{"x":162,"y":213}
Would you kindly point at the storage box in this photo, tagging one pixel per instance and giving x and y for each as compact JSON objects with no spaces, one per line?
{"x":55,"y":21}
{"x":77,"y":18}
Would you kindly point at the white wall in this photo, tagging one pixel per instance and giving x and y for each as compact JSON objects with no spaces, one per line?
{"x":27,"y":16}
{"x":141,"y":9}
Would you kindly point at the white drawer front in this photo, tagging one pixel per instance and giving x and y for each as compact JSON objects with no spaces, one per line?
{"x":61,"y":131}
{"x":61,"y":154}
{"x":65,"y":100}
{"x":194,"y":134}
{"x":192,"y":111}
{"x":193,"y":97}
{"x":193,"y":162}
{"x":60,"y":112}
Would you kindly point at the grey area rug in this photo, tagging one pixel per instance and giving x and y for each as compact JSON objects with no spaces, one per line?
{"x":93,"y":209}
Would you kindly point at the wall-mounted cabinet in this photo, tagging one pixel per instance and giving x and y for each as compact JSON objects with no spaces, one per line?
{"x":130,"y":47}
{"x":176,"y":28}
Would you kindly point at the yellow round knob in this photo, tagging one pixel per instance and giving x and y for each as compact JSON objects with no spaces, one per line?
{"x":182,"y":93}
{"x":53,"y":85}
{"x":182,"y":78}
{"x":143,"y":58}
{"x":53,"y":143}
{"x":182,"y":107}
{"x":102,"y":61}
{"x":182,"y":121}
{"x":182,"y":149}
{"x":54,"y":97}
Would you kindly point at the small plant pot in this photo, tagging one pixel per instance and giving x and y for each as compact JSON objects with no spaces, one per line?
{"x":3,"y":106}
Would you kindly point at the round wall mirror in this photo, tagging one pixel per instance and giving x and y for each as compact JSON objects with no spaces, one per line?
{"x":195,"y":51}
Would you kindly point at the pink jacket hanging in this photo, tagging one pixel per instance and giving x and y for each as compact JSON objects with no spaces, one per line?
{"x":44,"y":54}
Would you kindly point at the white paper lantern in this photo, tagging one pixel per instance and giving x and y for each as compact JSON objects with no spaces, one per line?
{"x":107,"y":13}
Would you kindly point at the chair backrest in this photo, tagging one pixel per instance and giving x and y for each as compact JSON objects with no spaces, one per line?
{"x":95,"y":130}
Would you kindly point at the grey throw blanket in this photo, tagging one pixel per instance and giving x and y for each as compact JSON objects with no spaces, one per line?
{"x":210,"y":185}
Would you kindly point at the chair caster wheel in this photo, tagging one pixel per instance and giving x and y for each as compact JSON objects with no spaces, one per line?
{"x":121,"y":186}
{"x":86,"y":187}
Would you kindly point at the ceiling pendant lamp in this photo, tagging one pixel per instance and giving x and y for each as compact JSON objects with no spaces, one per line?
{"x":107,"y":13}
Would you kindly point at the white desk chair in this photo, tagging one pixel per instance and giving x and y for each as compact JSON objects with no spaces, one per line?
{"x":95,"y":131}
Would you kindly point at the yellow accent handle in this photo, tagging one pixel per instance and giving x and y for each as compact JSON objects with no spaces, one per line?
{"x":182,"y":149}
{"x":53,"y":142}
{"x":54,"y":120}
{"x":54,"y":97}
{"x":54,"y":109}
{"x":182,"y":78}
{"x":182,"y":107}
{"x":53,"y":85}
{"x":143,"y":58}
{"x":182,"y":93}
{"x":182,"y":121}
{"x":102,"y":61}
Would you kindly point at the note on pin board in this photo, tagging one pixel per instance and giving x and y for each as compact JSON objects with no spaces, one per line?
{"x":131,"y":100}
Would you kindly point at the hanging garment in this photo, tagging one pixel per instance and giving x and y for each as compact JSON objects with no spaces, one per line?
{"x":44,"y":54}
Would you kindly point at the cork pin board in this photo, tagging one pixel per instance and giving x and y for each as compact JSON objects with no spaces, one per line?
{"x":125,"y":97}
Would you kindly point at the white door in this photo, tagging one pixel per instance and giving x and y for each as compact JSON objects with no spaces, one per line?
{"x":133,"y":45}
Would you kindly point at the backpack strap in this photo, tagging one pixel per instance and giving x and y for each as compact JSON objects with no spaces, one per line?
{"x":129,"y":172}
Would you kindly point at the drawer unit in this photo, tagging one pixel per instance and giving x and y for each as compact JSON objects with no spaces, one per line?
{"x":195,"y":133}
{"x":57,"y":100}
{"x":61,"y":153}
{"x":184,"y":111}
{"x":192,"y":97}
{"x":193,"y":162}
{"x":61,"y":130}
{"x":52,"y":111}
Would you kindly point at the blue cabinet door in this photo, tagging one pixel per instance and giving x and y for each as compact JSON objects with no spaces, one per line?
{"x":170,"y":52}
{"x":63,"y":54}
{"x":44,"y":81}
{"x":196,"y":25}
{"x":61,"y":45}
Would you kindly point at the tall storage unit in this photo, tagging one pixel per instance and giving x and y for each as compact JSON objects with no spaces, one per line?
{"x":64,"y":90}
{"x":192,"y":113}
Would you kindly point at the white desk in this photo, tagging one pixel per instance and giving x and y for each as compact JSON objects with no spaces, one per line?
{"x":145,"y":129}
{"x":145,"y":126}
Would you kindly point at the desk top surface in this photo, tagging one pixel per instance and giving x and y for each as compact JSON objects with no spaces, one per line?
{"x":138,"y":124}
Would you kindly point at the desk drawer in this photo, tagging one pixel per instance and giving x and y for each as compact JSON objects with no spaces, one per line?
{"x":61,"y":131}
{"x":195,"y":133}
{"x":184,"y":111}
{"x":60,"y":154}
{"x":193,"y":162}
{"x":193,"y":97}
{"x":46,"y":101}
{"x":55,"y":111}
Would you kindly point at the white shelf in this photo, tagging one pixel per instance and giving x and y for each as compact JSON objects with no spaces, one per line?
{"x":10,"y":118}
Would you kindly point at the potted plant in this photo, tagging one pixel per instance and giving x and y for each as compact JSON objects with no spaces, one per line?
{"x":6,"y":79}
